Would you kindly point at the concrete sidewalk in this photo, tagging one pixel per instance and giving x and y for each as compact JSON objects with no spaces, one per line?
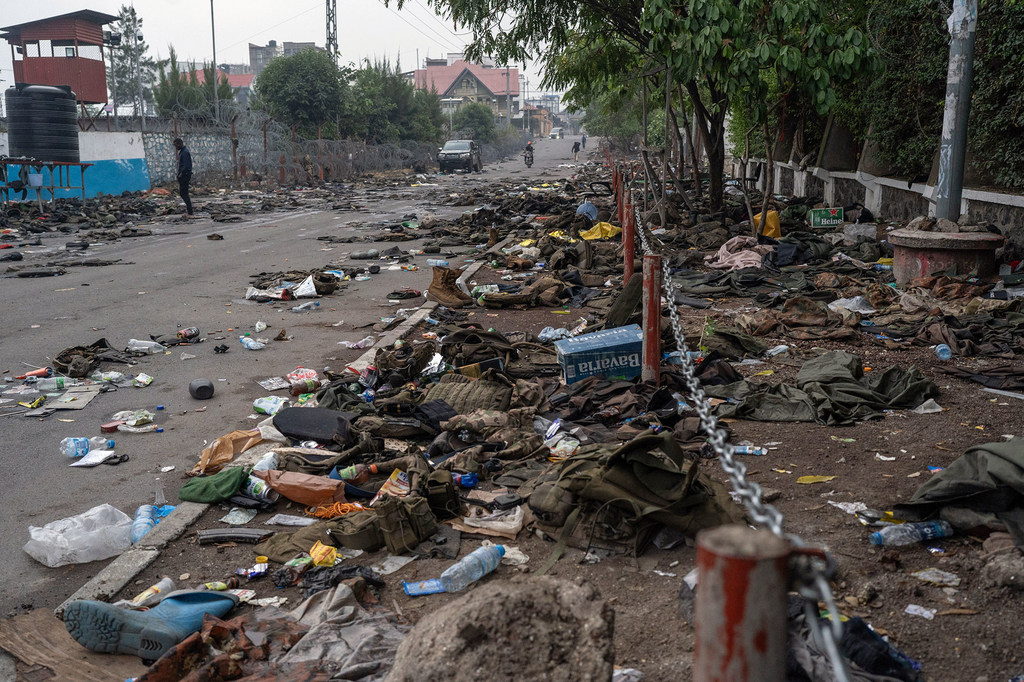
{"x":123,"y":570}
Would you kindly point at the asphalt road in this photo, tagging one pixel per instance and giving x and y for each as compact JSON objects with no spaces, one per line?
{"x":178,"y":278}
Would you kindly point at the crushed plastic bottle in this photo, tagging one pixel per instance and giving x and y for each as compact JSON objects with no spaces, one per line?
{"x":251,"y":344}
{"x":142,"y":346}
{"x":306,"y":307}
{"x":943,"y":352}
{"x":909,"y":533}
{"x":471,"y":568}
{"x":78,"y":447}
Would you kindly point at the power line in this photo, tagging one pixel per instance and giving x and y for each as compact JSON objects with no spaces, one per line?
{"x":437,"y":19}
{"x":416,"y":28}
{"x":278,"y":24}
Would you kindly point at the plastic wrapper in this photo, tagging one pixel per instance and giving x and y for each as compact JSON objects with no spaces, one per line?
{"x":100,"y":533}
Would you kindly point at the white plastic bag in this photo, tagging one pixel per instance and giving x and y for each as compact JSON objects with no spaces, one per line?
{"x":100,"y":533}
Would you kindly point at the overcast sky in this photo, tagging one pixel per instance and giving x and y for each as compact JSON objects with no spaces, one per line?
{"x":366,"y":28}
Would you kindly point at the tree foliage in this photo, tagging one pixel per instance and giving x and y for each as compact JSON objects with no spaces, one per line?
{"x":475,"y":120}
{"x":905,"y":102}
{"x":181,"y":94}
{"x":384,"y":107}
{"x":130,"y":63}
{"x":305,"y":91}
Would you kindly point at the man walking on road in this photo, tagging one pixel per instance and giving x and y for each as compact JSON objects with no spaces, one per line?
{"x":184,"y":173}
{"x":575,"y":150}
{"x":583,"y":141}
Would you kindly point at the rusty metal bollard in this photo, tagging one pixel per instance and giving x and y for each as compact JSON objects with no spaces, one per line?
{"x":741,"y":605}
{"x":651,"y":369}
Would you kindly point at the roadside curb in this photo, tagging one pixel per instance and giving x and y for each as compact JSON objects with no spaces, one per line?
{"x":123,"y":569}
{"x":116,"y":575}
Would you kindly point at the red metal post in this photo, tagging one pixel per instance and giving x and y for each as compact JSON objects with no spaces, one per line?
{"x":743,"y":576}
{"x":628,"y":243}
{"x":651,"y":370}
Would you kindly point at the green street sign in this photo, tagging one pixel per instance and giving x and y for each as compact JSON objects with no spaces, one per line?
{"x":826,"y":217}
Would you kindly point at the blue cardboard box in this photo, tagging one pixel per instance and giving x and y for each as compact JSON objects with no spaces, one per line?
{"x":611,"y":353}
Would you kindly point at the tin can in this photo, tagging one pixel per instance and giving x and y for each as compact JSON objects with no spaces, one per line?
{"x":188,"y":333}
{"x":258,"y":489}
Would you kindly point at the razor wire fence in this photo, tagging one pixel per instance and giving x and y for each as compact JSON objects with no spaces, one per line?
{"x":251,"y":145}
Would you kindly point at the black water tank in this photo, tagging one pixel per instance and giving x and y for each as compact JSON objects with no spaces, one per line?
{"x":42,"y":122}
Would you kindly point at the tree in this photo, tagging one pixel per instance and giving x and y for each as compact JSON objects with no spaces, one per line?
{"x":477,"y":120}
{"x":386,"y":107}
{"x":180,"y":94}
{"x":713,"y":49}
{"x":719,"y":50}
{"x":305,"y":91}
{"x":132,"y":70}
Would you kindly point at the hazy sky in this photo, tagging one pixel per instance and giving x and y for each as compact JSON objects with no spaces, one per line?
{"x":366,"y":28}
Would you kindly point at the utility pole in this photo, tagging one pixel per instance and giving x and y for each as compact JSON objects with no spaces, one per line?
{"x":332,"y":28}
{"x":138,"y":77}
{"x":508,"y":97}
{"x":962,"y":24}
{"x":213,"y":33}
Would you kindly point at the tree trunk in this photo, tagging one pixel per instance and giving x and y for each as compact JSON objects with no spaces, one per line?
{"x":769,"y":177}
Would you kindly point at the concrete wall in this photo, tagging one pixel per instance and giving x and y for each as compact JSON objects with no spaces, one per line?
{"x":118,"y":164}
{"x":210,"y":153}
{"x":893,"y":199}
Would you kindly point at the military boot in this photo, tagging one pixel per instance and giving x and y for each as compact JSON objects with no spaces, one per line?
{"x":444,"y":290}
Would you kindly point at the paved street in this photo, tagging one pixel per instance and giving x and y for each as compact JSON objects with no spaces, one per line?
{"x":174,"y":279}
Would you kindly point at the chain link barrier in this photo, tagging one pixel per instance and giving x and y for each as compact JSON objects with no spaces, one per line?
{"x":809,"y":570}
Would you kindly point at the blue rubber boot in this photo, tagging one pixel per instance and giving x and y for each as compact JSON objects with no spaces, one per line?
{"x":99,"y":626}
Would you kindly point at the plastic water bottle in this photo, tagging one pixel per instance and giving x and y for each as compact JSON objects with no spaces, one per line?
{"x":145,"y":519}
{"x":437,"y":263}
{"x":55,"y":383}
{"x":909,"y":533}
{"x":307,"y":306}
{"x":943,"y":352}
{"x":140,"y":346}
{"x":471,"y":568}
{"x":251,"y":344}
{"x":77,"y":447}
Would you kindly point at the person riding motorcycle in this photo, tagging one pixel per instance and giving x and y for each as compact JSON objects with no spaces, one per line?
{"x":528,"y":154}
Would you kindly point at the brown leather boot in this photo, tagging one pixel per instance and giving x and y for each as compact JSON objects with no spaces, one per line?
{"x":444,"y":290}
{"x":492,"y":237}
{"x":452,"y":277}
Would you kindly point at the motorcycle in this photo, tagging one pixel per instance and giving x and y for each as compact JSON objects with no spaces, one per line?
{"x":528,"y":157}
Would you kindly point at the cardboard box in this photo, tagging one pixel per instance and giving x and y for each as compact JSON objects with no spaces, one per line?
{"x":611,"y":353}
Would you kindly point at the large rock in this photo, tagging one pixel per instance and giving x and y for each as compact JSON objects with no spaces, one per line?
{"x":922,"y":223}
{"x":527,"y":628}
{"x":946,"y":225}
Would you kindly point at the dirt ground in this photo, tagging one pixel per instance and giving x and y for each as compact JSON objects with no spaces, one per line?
{"x":973,"y":637}
{"x":968,"y":640}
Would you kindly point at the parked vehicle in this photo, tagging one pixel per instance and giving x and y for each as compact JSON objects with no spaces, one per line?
{"x":557,"y":133}
{"x":459,"y":154}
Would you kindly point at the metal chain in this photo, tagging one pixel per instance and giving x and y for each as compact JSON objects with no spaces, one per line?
{"x":808,"y":570}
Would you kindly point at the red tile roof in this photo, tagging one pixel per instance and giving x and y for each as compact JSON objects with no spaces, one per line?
{"x":443,"y":78}
{"x":235,"y":80}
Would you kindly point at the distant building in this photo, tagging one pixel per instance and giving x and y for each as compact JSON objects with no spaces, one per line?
{"x":241,"y":84}
{"x":63,"y":50}
{"x":261,"y":55}
{"x":458,"y":82}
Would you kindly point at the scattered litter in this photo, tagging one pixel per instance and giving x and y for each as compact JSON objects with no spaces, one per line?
{"x":391,"y":563}
{"x":273,"y":384}
{"x":915,"y":610}
{"x":938,"y":577}
{"x":928,"y":407}
{"x":849,"y":507}
{"x":879,"y":456}
{"x":664,"y":574}
{"x":813,"y":479}
{"x":238,"y":516}
{"x":289,"y":520}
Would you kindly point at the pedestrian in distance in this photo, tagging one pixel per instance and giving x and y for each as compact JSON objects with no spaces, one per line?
{"x":583,"y":141}
{"x":575,"y":150}
{"x":184,"y":173}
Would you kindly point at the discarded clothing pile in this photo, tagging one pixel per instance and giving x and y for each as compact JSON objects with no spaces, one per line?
{"x":830,"y":389}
